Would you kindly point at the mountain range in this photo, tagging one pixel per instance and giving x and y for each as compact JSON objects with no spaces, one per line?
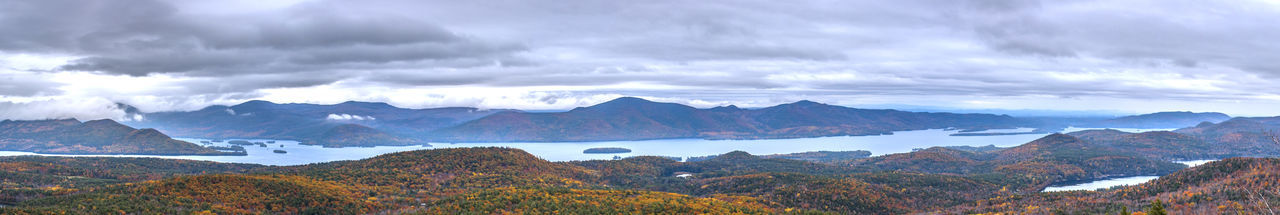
{"x":365,"y":124}
{"x":625,"y":118}
{"x":635,"y":119}
{"x":310,"y":122}
{"x":1162,"y":120}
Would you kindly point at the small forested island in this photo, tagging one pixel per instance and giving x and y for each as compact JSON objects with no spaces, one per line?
{"x":994,"y":133}
{"x":240,"y":142}
{"x":279,"y":151}
{"x":606,"y":150}
{"x":228,"y":148}
{"x":974,"y":149}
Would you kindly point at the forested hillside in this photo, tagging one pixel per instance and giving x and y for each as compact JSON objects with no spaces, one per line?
{"x":105,"y":136}
{"x":500,"y":180}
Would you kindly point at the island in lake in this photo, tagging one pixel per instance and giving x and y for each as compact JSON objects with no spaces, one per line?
{"x":606,"y":150}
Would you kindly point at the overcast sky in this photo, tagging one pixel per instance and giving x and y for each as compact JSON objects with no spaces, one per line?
{"x":64,"y":58}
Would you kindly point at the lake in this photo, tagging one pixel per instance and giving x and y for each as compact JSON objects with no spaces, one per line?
{"x":1101,"y":184}
{"x":1130,"y":130}
{"x":1112,"y":182}
{"x":899,"y":142}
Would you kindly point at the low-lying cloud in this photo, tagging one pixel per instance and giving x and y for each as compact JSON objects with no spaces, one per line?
{"x":343,"y":117}
{"x":83,"y":110}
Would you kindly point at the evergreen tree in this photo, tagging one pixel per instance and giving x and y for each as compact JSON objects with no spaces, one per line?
{"x":1157,"y":208}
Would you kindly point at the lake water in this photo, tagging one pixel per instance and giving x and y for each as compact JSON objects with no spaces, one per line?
{"x":1108,"y":183}
{"x":899,"y":142}
{"x":1101,"y":184}
{"x":1193,"y":163}
{"x":295,"y":154}
{"x":1130,"y":130}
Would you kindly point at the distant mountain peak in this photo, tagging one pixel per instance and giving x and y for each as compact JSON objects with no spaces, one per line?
{"x":251,"y":106}
{"x":726,"y":108}
{"x":1204,"y":124}
{"x":366,"y":104}
{"x":632,"y":103}
{"x":805,"y":104}
{"x":148,"y":133}
{"x":256,"y":102}
{"x":104,"y":123}
{"x":734,"y":155}
{"x":1056,"y":139}
{"x":627,"y":100}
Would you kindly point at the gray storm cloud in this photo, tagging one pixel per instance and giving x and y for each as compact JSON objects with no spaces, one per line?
{"x":521,"y":53}
{"x":141,"y":37}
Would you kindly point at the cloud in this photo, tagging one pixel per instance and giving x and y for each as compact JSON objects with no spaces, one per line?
{"x":180,"y":55}
{"x":24,"y":84}
{"x":141,"y":37}
{"x":81,"y":109}
{"x":344,"y":117}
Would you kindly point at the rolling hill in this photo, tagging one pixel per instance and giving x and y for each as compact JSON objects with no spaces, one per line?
{"x":105,"y":136}
{"x":1163,"y":145}
{"x":1253,"y":136}
{"x":1052,"y":159}
{"x":1229,"y":186}
{"x":1163,"y":120}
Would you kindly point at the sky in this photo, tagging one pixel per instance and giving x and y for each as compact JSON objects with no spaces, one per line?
{"x":65,"y":58}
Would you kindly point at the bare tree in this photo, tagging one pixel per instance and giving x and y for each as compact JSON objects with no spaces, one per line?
{"x":1271,"y":134}
{"x":1262,"y":199}
{"x":1274,"y":138}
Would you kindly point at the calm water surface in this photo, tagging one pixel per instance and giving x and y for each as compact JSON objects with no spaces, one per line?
{"x":1130,"y":130}
{"x":1101,"y":184}
{"x":899,"y":142}
{"x":1108,"y":183}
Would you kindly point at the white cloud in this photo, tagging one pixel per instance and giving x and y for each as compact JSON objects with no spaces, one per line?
{"x":81,"y":109}
{"x":348,"y":117}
